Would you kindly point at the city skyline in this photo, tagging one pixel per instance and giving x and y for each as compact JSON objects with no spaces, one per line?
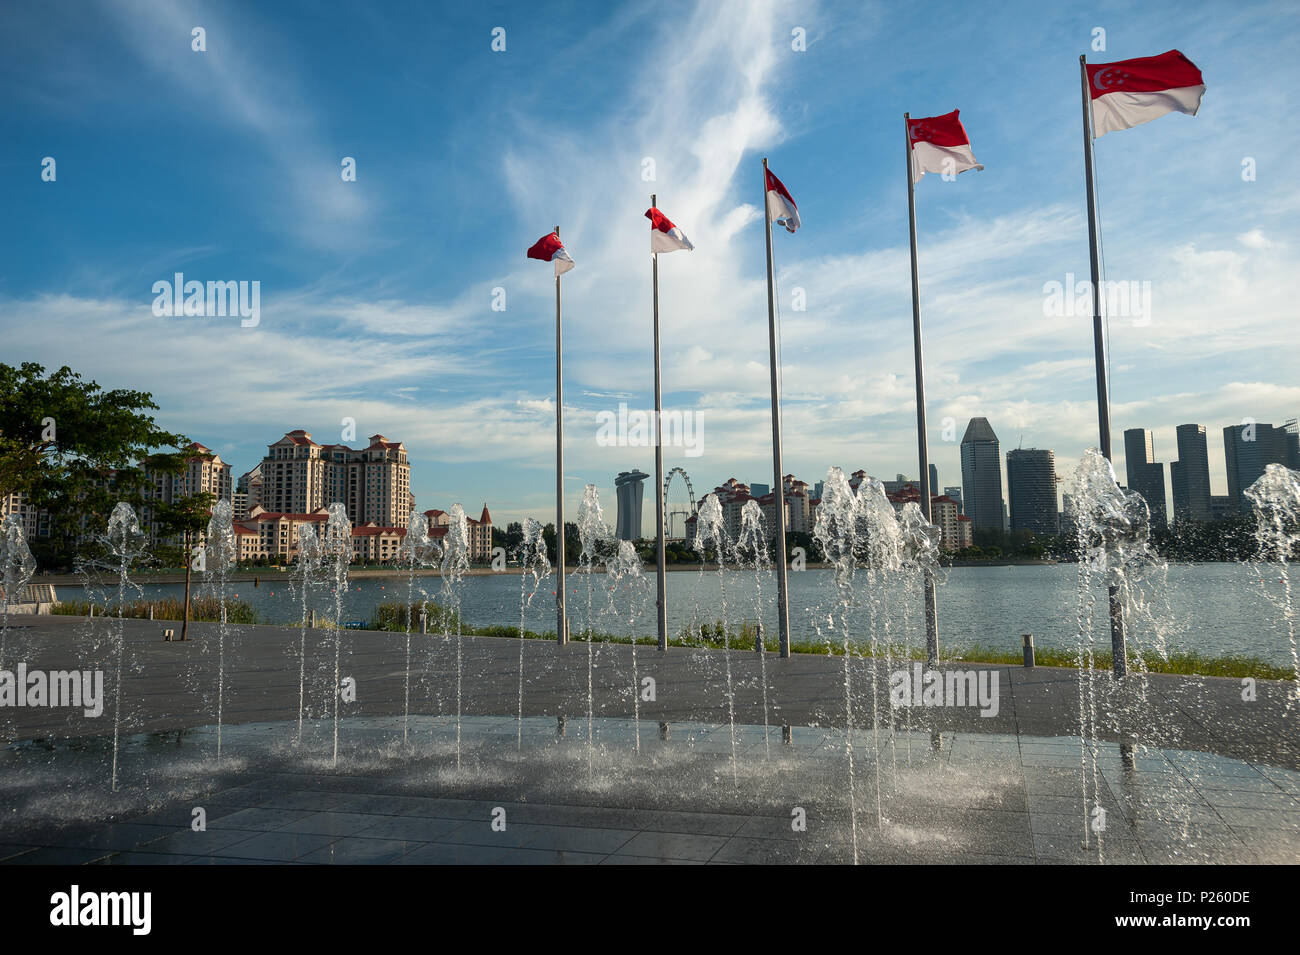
{"x":362,"y":319}
{"x":1274,"y":442}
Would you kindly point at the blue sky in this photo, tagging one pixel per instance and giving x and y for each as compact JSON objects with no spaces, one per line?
{"x":376,"y":294}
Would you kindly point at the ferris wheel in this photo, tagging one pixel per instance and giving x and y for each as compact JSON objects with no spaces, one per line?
{"x":690,"y":492}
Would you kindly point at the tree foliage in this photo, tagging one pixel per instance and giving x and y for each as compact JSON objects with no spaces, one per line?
{"x":72,"y":447}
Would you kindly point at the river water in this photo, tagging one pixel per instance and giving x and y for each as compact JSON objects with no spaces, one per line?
{"x":1215,"y":608}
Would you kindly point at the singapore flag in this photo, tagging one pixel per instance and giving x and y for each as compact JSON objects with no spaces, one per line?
{"x":664,"y":236}
{"x":940,"y":144}
{"x":1132,"y":92}
{"x":549,"y":248}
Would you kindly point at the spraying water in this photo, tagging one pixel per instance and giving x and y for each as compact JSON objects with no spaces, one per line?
{"x":836,"y":531}
{"x":221,"y":555}
{"x":1113,"y":528}
{"x":1276,"y":500}
{"x":594,"y":534}
{"x":127,"y":543}
{"x":536,"y":566}
{"x":753,"y":540}
{"x":919,"y":560}
{"x":310,"y":557}
{"x":418,"y":550}
{"x":878,"y":547}
{"x":711,"y":531}
{"x":336,"y":551}
{"x":626,"y":577}
{"x":455,"y":561}
{"x":16,"y":568}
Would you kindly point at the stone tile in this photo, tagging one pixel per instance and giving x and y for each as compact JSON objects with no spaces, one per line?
{"x":145,"y":858}
{"x":704,"y":823}
{"x":359,"y":851}
{"x":617,"y":859}
{"x":332,"y":823}
{"x":258,"y":818}
{"x":765,"y":851}
{"x":275,"y":846}
{"x":671,"y":845}
{"x":447,"y":854}
{"x":188,"y":843}
{"x":1259,"y":818}
{"x":1069,"y":848}
{"x":409,"y":828}
{"x":574,"y":839}
{"x":53,"y":855}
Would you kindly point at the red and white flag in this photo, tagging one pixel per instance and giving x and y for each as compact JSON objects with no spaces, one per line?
{"x":549,"y":248}
{"x":940,"y":144}
{"x":664,"y":236}
{"x":780,"y":204}
{"x":1132,"y":92}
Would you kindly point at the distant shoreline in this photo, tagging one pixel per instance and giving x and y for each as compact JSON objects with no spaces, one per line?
{"x":272,"y":574}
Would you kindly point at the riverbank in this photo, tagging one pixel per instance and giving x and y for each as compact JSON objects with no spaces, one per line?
{"x":273,"y":574}
{"x":713,"y":637}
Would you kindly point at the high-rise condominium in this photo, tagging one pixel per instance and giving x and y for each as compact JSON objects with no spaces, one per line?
{"x":1145,"y":475}
{"x":1190,"y":475}
{"x":1031,"y":487}
{"x":1249,"y":448}
{"x":981,"y":474}
{"x":373,"y":483}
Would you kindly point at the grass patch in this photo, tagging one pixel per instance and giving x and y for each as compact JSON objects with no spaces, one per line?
{"x":202,"y":610}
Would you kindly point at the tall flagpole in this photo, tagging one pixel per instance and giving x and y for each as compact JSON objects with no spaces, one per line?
{"x":778,"y":488}
{"x":1119,"y":658}
{"x":661,"y":559}
{"x":931,"y":609}
{"x":562,"y":621}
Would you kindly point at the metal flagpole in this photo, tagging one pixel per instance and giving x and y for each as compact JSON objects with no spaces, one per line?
{"x":1117,"y":643}
{"x":562,"y":620}
{"x":778,"y":488}
{"x":661,"y":559}
{"x":931,"y":609}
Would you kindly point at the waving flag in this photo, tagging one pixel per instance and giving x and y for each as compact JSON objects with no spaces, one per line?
{"x":1132,"y":92}
{"x":780,"y":204}
{"x":664,"y":236}
{"x":940,"y":144}
{"x":549,"y":248}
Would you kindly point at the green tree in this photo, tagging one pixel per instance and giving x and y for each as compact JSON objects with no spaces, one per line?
{"x":186,"y":518}
{"x":71,"y":447}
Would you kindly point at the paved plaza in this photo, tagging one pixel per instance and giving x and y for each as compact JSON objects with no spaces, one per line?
{"x":1179,"y":770}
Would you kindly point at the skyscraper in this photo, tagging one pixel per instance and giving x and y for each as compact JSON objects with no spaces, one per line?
{"x":630,"y":486}
{"x":1190,"y":475}
{"x":1249,"y":448}
{"x":981,"y":474}
{"x":1031,"y":487}
{"x":955,"y":494}
{"x":934,"y":480}
{"x":1145,"y":475}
